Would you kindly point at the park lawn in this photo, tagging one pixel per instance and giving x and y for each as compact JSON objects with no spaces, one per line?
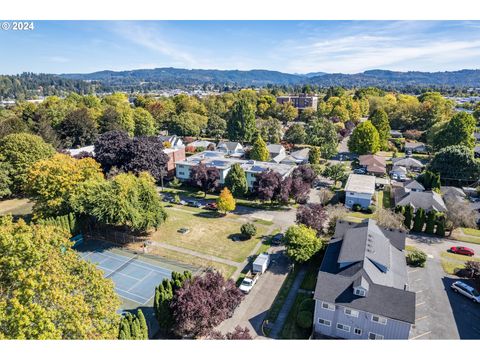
{"x":471,"y":232}
{"x":291,"y":330}
{"x":226,"y":270}
{"x":459,"y":257}
{"x":209,"y":234}
{"x":16,"y":207}
{"x":466,"y":238}
{"x":386,"y":200}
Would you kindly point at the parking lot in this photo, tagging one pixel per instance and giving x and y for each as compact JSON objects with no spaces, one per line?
{"x":440,"y":313}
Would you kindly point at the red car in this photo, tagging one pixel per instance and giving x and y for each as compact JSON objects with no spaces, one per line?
{"x":211,"y":206}
{"x":462,"y":250}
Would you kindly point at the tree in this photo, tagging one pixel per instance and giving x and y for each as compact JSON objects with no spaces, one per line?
{"x":52,"y":181}
{"x":267,"y":185}
{"x":416,"y":258}
{"x":429,"y":180}
{"x":5,"y":180}
{"x":336,"y":172}
{"x":434,"y":108}
{"x":379,"y":119}
{"x":236,"y":180}
{"x":259,"y":150}
{"x":117,"y":118}
{"x":419,"y":220}
{"x":364,"y":139}
{"x":48,"y":291}
{"x":216,"y":127}
{"x":248,"y":230}
{"x":322,"y":133}
{"x":286,"y":112}
{"x":270,"y":129}
{"x":301,"y":242}
{"x":19,"y":152}
{"x":441,"y":222}
{"x":144,"y":122}
{"x":431,"y":220}
{"x":335,"y":213}
{"x":111,"y":149}
{"x":312,"y":215}
{"x":241,"y":122}
{"x":324,"y":196}
{"x":408,"y":216}
{"x":203,"y":303}
{"x":458,"y":131}
{"x":187,"y":124}
{"x":314,"y":155}
{"x":78,"y":129}
{"x":459,"y":214}
{"x":133,"y":327}
{"x":390,"y":220}
{"x":126,"y":200}
{"x":205,"y":177}
{"x":455,"y":163}
{"x":225,"y":201}
{"x":296,"y":134}
{"x":145,"y":153}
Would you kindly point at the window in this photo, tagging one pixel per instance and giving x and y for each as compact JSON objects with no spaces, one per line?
{"x":328,"y":306}
{"x":343,"y":327}
{"x":379,"y":319}
{"x":352,"y":193}
{"x":181,"y":173}
{"x":357,"y":331}
{"x":373,"y":336}
{"x":351,"y":312}
{"x":359,"y":292}
{"x":350,"y":201}
{"x":324,"y":322}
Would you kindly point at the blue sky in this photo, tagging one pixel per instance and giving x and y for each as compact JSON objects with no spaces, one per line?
{"x":289,"y":46}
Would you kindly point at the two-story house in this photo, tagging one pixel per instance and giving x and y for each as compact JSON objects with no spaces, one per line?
{"x":359,"y":189}
{"x":362,"y":285}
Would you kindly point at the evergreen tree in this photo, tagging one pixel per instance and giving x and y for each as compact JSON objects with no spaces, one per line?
{"x":440,"y":226}
{"x":379,"y":119}
{"x":133,"y":327}
{"x":408,"y":213}
{"x":314,"y":155}
{"x":419,"y":220}
{"x":259,"y":150}
{"x":236,"y":180}
{"x":241,"y":123}
{"x":431,"y":219}
{"x":399,"y":209}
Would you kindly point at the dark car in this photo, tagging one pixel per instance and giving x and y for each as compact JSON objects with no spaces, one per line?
{"x":211,"y":206}
{"x":194,"y":203}
{"x":462,"y":250}
{"x":277,"y":239}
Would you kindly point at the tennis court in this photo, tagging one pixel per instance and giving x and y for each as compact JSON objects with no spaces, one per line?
{"x":134,"y":279}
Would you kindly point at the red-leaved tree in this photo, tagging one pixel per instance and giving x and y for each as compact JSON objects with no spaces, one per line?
{"x":312,"y":215}
{"x":205,"y":177}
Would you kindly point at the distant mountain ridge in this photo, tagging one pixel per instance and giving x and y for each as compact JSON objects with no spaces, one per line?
{"x":382,"y":78}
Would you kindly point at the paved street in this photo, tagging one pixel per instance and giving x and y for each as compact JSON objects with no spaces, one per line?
{"x":440,"y":313}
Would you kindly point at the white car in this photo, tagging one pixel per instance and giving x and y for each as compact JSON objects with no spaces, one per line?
{"x":466,"y":290}
{"x":248,"y":282}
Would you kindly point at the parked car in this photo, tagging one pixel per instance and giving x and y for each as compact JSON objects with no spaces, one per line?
{"x":182,"y":202}
{"x":183,"y":230}
{"x":360,"y":171}
{"x":194,"y":203}
{"x":211,"y":206}
{"x":248,"y":282}
{"x":277,"y":239}
{"x":462,"y":250}
{"x":466,"y":290}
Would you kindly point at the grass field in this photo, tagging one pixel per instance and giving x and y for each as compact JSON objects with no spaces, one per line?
{"x":291,"y":330}
{"x":208,"y":234}
{"x":452,"y":262}
{"x":474,"y":239}
{"x":459,"y":257}
{"x":471,"y":232}
{"x":451,"y":266}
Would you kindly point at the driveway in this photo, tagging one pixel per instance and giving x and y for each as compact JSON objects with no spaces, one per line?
{"x":254,"y":307}
{"x":440,"y":313}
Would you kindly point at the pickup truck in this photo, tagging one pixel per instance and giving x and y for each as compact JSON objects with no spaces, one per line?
{"x":248,"y":281}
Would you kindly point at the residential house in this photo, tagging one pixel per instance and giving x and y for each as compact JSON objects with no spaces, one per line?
{"x":223,"y":163}
{"x":88,"y":150}
{"x":359,"y":189}
{"x":300,"y":102}
{"x":396,"y":134}
{"x":277,"y":152}
{"x":174,"y":141}
{"x":297,"y":157}
{"x":374,"y":164}
{"x":408,"y":163}
{"x":201,"y":144}
{"x":415,"y":147}
{"x":362,"y":285}
{"x":427,"y":200}
{"x":231,"y":148}
{"x":174,"y":155}
{"x":399,"y":173}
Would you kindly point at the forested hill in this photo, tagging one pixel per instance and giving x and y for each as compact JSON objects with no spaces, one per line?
{"x":28,"y":85}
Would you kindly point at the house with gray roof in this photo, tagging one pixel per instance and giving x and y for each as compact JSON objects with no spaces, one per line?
{"x":427,"y":200}
{"x":231,"y":148}
{"x":408,"y":163}
{"x":277,"y":152}
{"x":174,"y":141}
{"x":362,"y":285}
{"x":297,"y":157}
{"x":359,"y":189}
{"x":415,"y":147}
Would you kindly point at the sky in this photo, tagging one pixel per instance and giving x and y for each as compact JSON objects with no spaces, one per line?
{"x":287,"y":46}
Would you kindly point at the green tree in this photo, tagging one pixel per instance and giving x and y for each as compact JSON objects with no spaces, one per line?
{"x":419,"y":220}
{"x":431,"y":221}
{"x":455,"y":163}
{"x":270,"y":129}
{"x":458,"y":131}
{"x":314,"y":155}
{"x":364,"y":139}
{"x":296,"y":134}
{"x":408,"y":216}
{"x":5,"y":180}
{"x":379,"y":119}
{"x":301,"y":243}
{"x":322,"y":133}
{"x":144,"y":122}
{"x":286,"y":112}
{"x":187,"y":124}
{"x":434,"y":108}
{"x":259,"y":150}
{"x":78,"y":129}
{"x":19,"y":152}
{"x":133,"y":327}
{"x":48,"y":291}
{"x":225,"y":201}
{"x":440,"y":225}
{"x":216,"y":127}
{"x":336,"y":172}
{"x":241,"y":122}
{"x":236,"y":180}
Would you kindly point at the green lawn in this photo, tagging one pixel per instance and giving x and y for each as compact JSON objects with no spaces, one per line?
{"x":359,"y":215}
{"x":451,"y":266}
{"x":466,"y":238}
{"x":472,"y":232}
{"x":291,"y":330}
{"x":459,"y":257}
{"x":209,"y":234}
{"x":386,"y":200}
{"x":282,"y":295}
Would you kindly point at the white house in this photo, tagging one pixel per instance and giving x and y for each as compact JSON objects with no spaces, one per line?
{"x":232,"y":148}
{"x":359,"y":189}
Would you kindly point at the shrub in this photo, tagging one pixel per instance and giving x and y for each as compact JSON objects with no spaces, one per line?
{"x":307,"y":305}
{"x":356,"y":207}
{"x":371,"y":209}
{"x":175,"y":183}
{"x":304,"y":319}
{"x":176,"y":198}
{"x":248,"y":230}
{"x":416,"y":258}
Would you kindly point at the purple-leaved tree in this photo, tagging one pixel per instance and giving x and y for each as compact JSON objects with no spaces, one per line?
{"x":205,"y":177}
{"x":312,"y":215}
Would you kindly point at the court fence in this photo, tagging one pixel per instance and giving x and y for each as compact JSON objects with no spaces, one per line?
{"x":112,"y":235}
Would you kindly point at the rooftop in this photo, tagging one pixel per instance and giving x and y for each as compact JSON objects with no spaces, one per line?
{"x":426,"y":200}
{"x":361,"y":184}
